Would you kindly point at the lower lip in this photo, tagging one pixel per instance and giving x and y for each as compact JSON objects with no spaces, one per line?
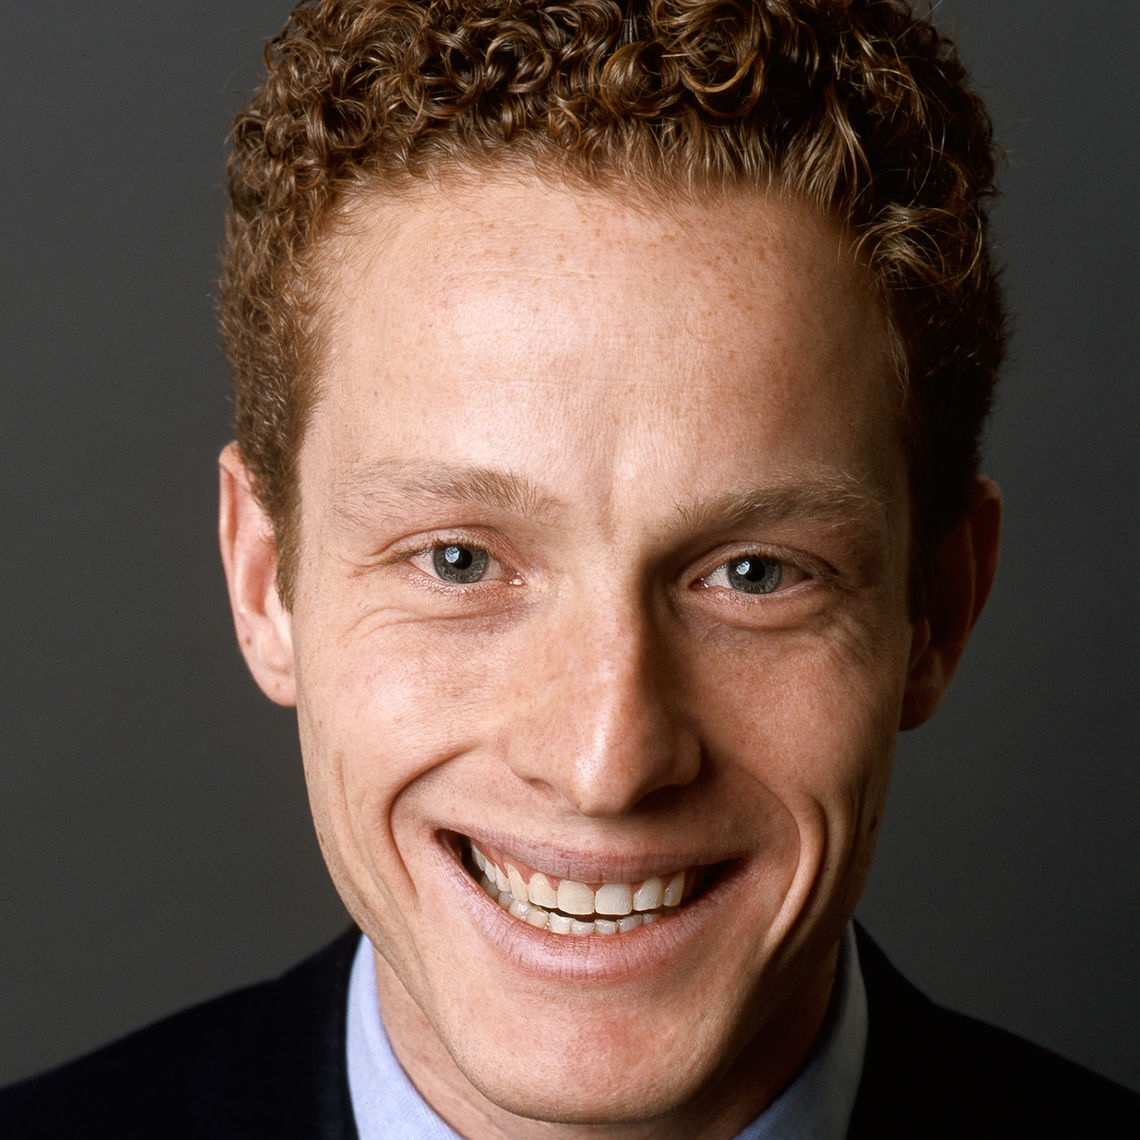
{"x":594,"y":957}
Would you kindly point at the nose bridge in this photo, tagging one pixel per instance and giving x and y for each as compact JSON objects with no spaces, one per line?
{"x":604,"y":726}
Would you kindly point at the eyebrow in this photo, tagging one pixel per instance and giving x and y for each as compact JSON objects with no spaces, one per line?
{"x":836,"y":497}
{"x":385,"y":484}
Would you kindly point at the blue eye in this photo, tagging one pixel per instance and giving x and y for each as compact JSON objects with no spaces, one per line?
{"x":460,"y":564}
{"x":754,"y":574}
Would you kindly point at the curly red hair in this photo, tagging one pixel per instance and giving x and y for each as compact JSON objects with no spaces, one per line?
{"x":858,"y":106}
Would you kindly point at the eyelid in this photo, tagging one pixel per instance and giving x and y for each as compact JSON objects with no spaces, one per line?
{"x":797,"y":565}
{"x":421,"y":559}
{"x":788,"y":572}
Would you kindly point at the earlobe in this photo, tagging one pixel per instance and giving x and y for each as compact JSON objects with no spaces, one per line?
{"x":961,"y":578}
{"x":249,"y":555}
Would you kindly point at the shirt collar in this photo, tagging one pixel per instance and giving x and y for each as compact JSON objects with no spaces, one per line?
{"x":817,"y":1105}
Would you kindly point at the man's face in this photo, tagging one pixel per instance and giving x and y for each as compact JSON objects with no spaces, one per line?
{"x":603,"y":570}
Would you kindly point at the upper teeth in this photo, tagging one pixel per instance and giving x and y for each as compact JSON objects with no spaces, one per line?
{"x":538,"y":900}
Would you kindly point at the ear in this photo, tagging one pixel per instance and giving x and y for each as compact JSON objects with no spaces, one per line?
{"x":249,"y":554}
{"x":961,"y":578}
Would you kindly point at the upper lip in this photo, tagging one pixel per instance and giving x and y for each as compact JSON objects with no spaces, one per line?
{"x":611,"y":865}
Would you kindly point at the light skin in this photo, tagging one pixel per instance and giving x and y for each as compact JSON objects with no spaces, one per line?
{"x":605,"y":409}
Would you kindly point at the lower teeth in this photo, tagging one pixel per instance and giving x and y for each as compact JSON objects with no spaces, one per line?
{"x":558,"y":923}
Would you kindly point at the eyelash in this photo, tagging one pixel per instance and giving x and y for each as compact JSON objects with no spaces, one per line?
{"x":798,"y":569}
{"x":435,"y":581}
{"x":741,"y":565}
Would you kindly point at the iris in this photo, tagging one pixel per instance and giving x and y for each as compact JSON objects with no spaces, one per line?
{"x":754,"y":574}
{"x":460,"y":564}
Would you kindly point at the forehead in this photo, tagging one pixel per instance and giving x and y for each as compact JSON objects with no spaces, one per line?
{"x":510,"y":324}
{"x":491,"y":249}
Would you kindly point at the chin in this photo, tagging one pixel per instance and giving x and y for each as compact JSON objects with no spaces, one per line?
{"x":603,"y":1074}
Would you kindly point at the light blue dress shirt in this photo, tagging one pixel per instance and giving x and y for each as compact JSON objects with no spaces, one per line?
{"x":817,"y":1105}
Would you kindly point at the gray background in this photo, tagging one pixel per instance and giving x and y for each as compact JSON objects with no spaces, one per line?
{"x":154,"y":841}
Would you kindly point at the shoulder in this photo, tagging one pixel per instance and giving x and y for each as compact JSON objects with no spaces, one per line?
{"x":263,"y":1061}
{"x":931,"y":1072}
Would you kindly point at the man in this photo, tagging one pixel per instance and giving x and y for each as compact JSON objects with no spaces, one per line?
{"x":606,"y":497}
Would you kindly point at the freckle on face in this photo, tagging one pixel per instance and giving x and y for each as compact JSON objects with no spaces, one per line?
{"x":611,"y":404}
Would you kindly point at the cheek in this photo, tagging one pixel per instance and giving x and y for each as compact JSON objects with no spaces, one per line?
{"x":814,"y":722}
{"x":379,"y":709}
{"x":382,"y":704}
{"x":814,"y":733}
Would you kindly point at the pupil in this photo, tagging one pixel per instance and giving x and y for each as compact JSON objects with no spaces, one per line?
{"x":460,"y":564}
{"x":755,"y":575}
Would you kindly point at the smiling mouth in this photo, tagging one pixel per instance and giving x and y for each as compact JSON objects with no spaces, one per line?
{"x":563,"y":906}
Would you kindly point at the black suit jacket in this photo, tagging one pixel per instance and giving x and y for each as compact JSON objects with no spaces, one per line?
{"x":267,"y":1063}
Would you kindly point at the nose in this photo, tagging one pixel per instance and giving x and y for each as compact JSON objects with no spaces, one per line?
{"x":598,"y":722}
